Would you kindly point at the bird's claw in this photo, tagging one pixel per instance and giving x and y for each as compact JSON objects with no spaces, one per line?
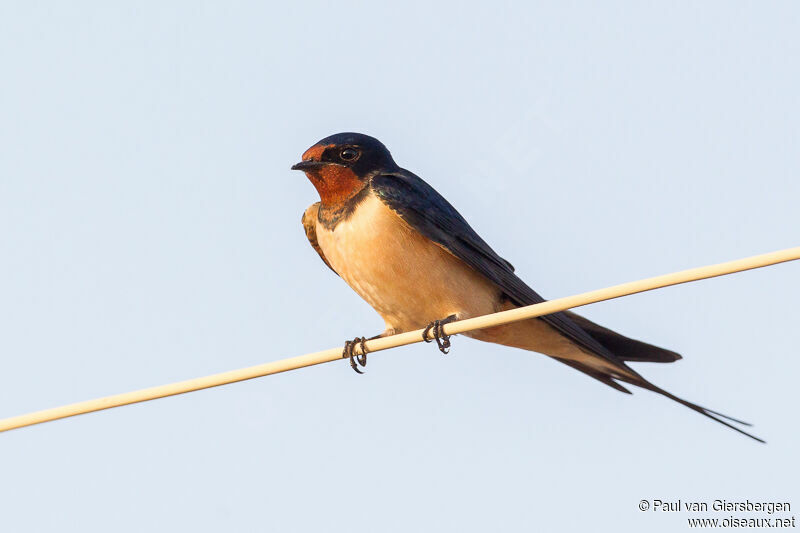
{"x":437,"y":329}
{"x":356,"y":359}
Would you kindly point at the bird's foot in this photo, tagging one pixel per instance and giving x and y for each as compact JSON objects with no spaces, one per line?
{"x":436,"y":329}
{"x":356,"y":359}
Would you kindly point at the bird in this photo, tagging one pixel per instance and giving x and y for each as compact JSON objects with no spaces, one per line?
{"x":409,"y":254}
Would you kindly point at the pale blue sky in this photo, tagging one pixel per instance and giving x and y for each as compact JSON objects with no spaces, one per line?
{"x":150,"y":232}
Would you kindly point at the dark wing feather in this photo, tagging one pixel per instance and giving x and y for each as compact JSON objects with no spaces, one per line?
{"x":624,"y":347}
{"x":429,"y":213}
{"x":310,"y":225}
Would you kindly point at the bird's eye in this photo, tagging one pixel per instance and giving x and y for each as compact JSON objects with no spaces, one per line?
{"x":349,"y":154}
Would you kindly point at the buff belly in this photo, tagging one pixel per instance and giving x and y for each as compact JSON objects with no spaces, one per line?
{"x":409,"y":280}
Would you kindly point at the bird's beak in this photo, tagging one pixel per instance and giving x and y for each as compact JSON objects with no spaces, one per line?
{"x":307,"y":165}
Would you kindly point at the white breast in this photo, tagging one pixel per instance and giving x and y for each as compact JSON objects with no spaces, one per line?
{"x":408,"y":279}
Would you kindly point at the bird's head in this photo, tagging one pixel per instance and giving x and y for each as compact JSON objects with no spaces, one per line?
{"x":340,"y":166}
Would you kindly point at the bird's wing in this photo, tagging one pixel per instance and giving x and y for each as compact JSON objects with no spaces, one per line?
{"x":310,"y":225}
{"x":425,"y":210}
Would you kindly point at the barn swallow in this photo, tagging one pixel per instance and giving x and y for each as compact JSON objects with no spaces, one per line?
{"x":406,"y":251}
